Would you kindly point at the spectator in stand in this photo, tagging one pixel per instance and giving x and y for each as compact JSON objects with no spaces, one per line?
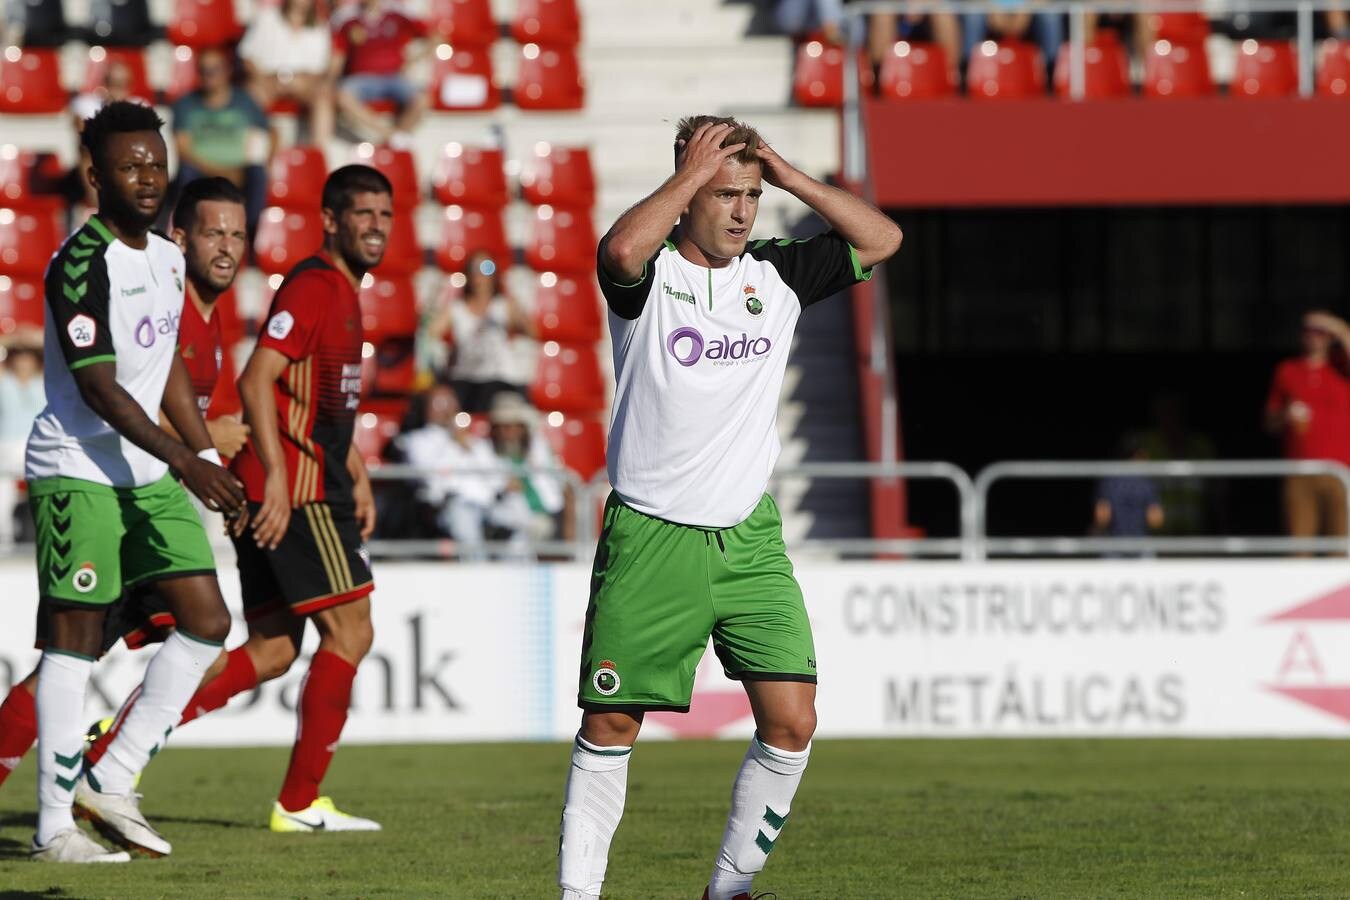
{"x":1191,"y":503}
{"x":800,"y":17}
{"x":116,"y":85}
{"x":943,"y":29}
{"x":481,"y":322}
{"x":530,"y":500}
{"x":370,"y":42}
{"x":286,"y":54}
{"x":22,"y":397}
{"x":1128,"y":505}
{"x":1309,"y":406}
{"x":1046,"y":30}
{"x":458,"y":501}
{"x":219,"y":130}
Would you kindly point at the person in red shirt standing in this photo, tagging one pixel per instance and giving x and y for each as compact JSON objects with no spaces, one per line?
{"x":370,"y":41}
{"x":308,"y":488}
{"x":1309,"y":405}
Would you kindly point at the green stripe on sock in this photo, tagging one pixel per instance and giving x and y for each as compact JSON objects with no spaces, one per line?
{"x":192,"y":637}
{"x":67,"y":784}
{"x":622,"y":751}
{"x":71,"y":653}
{"x":69,"y":762}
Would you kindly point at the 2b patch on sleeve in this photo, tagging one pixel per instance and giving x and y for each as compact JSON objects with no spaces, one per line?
{"x":280,"y":325}
{"x":83,"y":331}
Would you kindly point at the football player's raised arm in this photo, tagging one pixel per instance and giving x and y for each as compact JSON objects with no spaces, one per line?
{"x":639,"y":233}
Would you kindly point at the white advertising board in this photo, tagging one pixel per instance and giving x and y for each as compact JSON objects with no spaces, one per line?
{"x":1106,"y":648}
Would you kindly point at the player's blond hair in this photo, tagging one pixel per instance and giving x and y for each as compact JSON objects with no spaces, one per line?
{"x":740,"y":133}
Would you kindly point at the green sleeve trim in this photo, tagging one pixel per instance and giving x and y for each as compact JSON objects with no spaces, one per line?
{"x":102,"y":229}
{"x":81,"y":363}
{"x":192,"y":637}
{"x":858,"y":273}
{"x":71,"y":653}
{"x":637,"y":283}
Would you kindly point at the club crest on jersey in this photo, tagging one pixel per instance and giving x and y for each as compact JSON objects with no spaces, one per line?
{"x":606,"y":679}
{"x":83,"y":331}
{"x":281,"y":325}
{"x":754,"y":306}
{"x":85,"y":578}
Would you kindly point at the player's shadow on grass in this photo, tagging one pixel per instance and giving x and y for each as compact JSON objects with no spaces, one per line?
{"x":194,"y":820}
{"x":33,"y":895}
{"x":12,"y":849}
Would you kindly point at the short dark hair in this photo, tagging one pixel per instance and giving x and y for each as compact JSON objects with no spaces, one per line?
{"x":118,"y":117}
{"x":200,"y":190}
{"x":347,"y":181}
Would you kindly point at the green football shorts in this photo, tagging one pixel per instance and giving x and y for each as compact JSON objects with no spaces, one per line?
{"x":93,"y":540}
{"x":658,"y":590}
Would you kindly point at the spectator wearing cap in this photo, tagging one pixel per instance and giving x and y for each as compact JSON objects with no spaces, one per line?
{"x":1309,"y":407}
{"x":531,"y":498}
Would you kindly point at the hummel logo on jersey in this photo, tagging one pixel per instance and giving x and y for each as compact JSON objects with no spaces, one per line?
{"x":678,"y":295}
{"x":132,"y":292}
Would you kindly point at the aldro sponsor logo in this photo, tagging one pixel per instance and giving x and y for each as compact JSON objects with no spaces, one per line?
{"x":688,"y":346}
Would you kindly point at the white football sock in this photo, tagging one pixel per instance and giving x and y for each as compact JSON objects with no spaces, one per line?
{"x":171,"y":679}
{"x":596,"y":786}
{"x":760,"y":801}
{"x":62,"y":680}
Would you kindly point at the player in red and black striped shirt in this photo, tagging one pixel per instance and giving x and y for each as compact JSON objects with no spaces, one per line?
{"x":309,"y":495}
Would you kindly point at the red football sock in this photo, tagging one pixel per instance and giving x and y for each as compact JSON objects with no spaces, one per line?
{"x":238,"y":676}
{"x":324,"y":699}
{"x":18,"y":728}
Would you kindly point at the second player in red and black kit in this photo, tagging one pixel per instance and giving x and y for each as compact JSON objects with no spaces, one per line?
{"x":309,"y":496}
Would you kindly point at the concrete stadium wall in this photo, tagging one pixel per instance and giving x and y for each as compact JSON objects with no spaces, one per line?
{"x":1111,"y":648}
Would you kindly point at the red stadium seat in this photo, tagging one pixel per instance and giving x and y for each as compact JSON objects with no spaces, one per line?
{"x":578,"y":441}
{"x":1177,"y":70}
{"x":1005,"y":70}
{"x":403,"y":252}
{"x":462,"y":79}
{"x":1106,"y":69}
{"x":1265,"y":69}
{"x":818,"y":77}
{"x":567,"y":309}
{"x":183,"y":75}
{"x":20,"y":303}
{"x":28,"y":238}
{"x":203,"y":23}
{"x":554,"y":22}
{"x":568,"y":379}
{"x":466,"y":231}
{"x":391,"y":368}
{"x":295,"y":178}
{"x":29,"y":180}
{"x":388,"y":306}
{"x":30,"y":81}
{"x":1184,"y":28}
{"x":470,"y":176}
{"x":399,"y":168}
{"x":563,"y":240}
{"x":561,"y":176}
{"x":286,"y":236}
{"x":377,"y":423}
{"x":466,"y":23}
{"x":1333,"y":70}
{"x":550,"y":78}
{"x":913,"y":71}
{"x":103,"y":58}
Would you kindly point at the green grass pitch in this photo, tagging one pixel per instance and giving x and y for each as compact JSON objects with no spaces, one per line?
{"x":874,"y":819}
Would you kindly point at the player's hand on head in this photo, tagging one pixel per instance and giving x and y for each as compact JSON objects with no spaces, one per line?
{"x":273,"y":517}
{"x":774,"y":169}
{"x":702,"y":155}
{"x":228,"y":434}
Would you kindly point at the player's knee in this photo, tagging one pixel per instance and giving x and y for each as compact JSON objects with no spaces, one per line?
{"x":610,"y":729}
{"x":792,"y":732}
{"x":212,"y":626}
{"x":272,"y":659}
{"x":358,"y":638}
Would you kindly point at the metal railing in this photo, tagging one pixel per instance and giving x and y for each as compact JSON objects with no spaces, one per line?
{"x":855,"y":152}
{"x":984,"y":545}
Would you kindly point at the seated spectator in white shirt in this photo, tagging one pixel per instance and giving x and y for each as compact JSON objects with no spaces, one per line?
{"x":286,"y":54}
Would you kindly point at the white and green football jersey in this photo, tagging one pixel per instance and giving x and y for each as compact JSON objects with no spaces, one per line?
{"x":699,"y":358}
{"x":106,"y":302}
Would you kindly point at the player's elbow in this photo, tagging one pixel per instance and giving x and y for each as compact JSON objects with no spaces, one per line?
{"x":890,"y":240}
{"x":621,"y":258}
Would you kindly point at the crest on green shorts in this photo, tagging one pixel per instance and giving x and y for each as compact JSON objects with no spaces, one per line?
{"x":606,"y":679}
